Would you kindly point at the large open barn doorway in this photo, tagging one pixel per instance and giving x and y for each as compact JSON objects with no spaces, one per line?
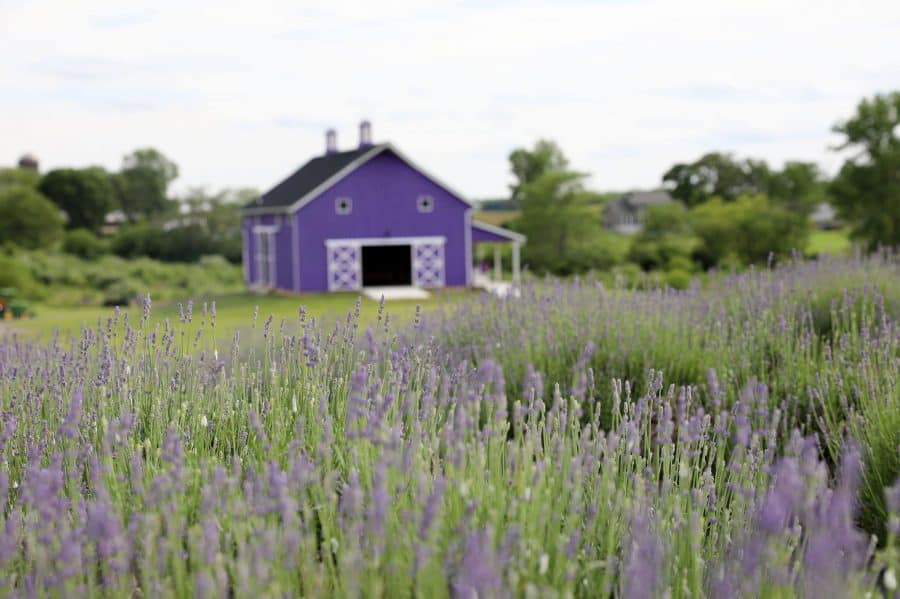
{"x":385,"y":265}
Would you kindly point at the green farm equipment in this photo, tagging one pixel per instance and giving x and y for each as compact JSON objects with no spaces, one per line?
{"x":13,"y":307}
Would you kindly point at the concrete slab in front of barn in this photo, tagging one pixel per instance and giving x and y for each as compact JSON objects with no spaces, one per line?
{"x":395,"y":293}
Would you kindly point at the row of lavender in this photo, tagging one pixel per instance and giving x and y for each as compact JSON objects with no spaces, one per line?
{"x":574,"y":442}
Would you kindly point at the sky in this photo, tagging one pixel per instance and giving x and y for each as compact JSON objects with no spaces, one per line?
{"x":239,"y":94}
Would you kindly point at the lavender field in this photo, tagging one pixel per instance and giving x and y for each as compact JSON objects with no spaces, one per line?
{"x":736,"y":440}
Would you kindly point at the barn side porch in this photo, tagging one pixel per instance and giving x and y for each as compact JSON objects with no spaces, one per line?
{"x":485,"y":233}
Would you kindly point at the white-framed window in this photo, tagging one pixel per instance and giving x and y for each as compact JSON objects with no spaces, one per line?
{"x":265,"y":255}
{"x":343,"y":205}
{"x":425,"y":204}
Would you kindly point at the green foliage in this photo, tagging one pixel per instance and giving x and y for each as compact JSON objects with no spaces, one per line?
{"x":189,"y":241}
{"x":563,"y":233}
{"x":84,"y":244}
{"x":16,"y":275}
{"x":19,"y":176}
{"x":27,"y":218}
{"x":716,"y":175}
{"x":143,"y":182}
{"x":678,"y":278}
{"x":85,"y":195}
{"x":529,"y":165}
{"x":665,"y":237}
{"x":140,"y":239}
{"x":19,"y":309}
{"x":867,"y":189}
{"x":65,"y":279}
{"x":748,"y":231}
{"x":798,"y":187}
{"x":220,"y":214}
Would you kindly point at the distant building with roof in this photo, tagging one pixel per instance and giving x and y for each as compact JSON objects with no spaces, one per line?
{"x":366,"y":217}
{"x":30,"y":162}
{"x":824,"y":216}
{"x":626,"y":213}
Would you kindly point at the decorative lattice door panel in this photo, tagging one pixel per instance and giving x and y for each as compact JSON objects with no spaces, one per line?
{"x":428,"y":264}
{"x":344,"y":267}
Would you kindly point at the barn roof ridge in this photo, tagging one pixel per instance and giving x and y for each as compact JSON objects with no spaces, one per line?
{"x":319,"y":173}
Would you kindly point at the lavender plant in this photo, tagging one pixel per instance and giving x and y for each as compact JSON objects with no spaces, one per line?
{"x":574,"y":442}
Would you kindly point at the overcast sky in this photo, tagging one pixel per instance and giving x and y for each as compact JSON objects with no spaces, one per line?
{"x":240,"y":94}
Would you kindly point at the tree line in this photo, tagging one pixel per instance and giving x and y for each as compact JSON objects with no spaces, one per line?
{"x":71,"y":206}
{"x":727,"y":210}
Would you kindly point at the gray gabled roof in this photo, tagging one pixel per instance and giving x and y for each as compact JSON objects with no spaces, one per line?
{"x":308,"y":177}
{"x":646,"y":198}
{"x":320,"y":173}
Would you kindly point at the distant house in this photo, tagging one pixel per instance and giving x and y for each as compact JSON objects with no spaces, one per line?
{"x":29,"y":162}
{"x":824,"y":216}
{"x":625,"y":214}
{"x":365,"y":217}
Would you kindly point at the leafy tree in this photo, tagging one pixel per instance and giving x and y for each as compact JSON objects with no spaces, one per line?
{"x":560,"y":226}
{"x":716,"y":175}
{"x":27,"y":218}
{"x":529,"y":165}
{"x":142,"y":184}
{"x":866,"y":191}
{"x":799,"y":187}
{"x":746,"y":231}
{"x":19,"y":176}
{"x":85,"y":195}
{"x":220,"y":215}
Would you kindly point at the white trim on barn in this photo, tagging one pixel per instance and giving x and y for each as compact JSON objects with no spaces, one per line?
{"x":268,"y":232}
{"x":428,"y":265}
{"x":344,"y":258}
{"x":467,"y":224}
{"x":500,"y":231}
{"x":359,"y":241}
{"x":245,"y":254}
{"x":295,"y":257}
{"x":344,"y":265}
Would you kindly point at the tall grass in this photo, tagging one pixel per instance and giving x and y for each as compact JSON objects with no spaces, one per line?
{"x":576,"y":441}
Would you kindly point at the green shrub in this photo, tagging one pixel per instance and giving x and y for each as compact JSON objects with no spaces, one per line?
{"x":750,"y":229}
{"x":680,"y":262}
{"x":136,"y":240}
{"x":678,"y":279}
{"x":14,"y":274}
{"x":120,"y":293}
{"x":28,"y":219}
{"x":84,"y":244}
{"x":18,"y":308}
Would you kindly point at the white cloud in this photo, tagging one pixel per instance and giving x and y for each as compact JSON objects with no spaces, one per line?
{"x":240,"y":94}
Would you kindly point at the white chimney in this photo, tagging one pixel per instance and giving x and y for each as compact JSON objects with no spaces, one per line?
{"x":330,"y":141}
{"x":365,"y":134}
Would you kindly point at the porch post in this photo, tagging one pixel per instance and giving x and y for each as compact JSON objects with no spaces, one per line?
{"x":498,"y":268}
{"x":515,"y":263}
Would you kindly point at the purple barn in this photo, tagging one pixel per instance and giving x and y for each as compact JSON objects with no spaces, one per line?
{"x":367,"y":217}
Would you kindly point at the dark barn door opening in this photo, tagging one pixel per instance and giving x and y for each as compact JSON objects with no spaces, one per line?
{"x":384,"y":265}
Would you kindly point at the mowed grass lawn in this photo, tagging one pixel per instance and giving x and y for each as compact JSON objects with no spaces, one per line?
{"x":233,"y":313}
{"x":835,"y":242}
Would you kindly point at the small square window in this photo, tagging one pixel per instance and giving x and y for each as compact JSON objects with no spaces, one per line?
{"x":343,"y":206}
{"x":425,"y":204}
